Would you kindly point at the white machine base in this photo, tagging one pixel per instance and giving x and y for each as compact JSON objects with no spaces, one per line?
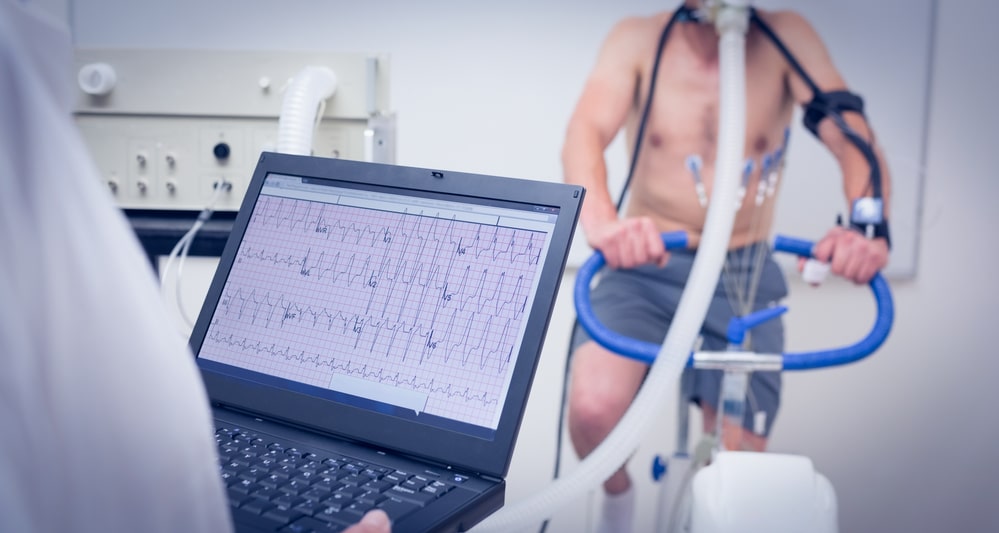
{"x":748,"y":491}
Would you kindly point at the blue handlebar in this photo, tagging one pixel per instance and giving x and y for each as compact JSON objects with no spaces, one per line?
{"x":866,"y":346}
{"x":646,"y":351}
{"x":791,"y":245}
{"x":627,"y":346}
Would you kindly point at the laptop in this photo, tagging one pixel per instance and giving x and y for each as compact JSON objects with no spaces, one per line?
{"x":371,"y":334}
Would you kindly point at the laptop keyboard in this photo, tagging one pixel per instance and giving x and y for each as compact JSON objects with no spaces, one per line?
{"x":278,"y":486}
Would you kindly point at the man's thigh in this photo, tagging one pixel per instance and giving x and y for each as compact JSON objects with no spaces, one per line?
{"x":638,"y":303}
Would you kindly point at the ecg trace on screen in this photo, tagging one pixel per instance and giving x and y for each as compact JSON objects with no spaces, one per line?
{"x":408,"y":300}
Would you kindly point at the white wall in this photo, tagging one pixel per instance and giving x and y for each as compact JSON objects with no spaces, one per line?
{"x":908,"y":437}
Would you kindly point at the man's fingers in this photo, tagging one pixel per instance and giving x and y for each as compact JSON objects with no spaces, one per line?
{"x":664,"y":260}
{"x":611,"y":257}
{"x":865,"y":273}
{"x":850,"y":255}
{"x":825,"y":248}
{"x":656,"y":249}
{"x":632,"y":243}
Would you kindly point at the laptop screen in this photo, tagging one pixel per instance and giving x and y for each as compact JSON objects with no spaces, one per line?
{"x":352,"y":295}
{"x":409,"y":305}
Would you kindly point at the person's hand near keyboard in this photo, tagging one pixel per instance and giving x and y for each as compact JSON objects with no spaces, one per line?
{"x":375,"y":521}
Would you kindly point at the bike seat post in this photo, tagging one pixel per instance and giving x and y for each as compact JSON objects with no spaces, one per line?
{"x":735,"y":382}
{"x":683,"y":418}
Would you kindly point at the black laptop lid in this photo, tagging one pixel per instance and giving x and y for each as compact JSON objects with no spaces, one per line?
{"x":396,"y":306}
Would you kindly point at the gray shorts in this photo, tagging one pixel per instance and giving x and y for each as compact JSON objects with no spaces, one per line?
{"x":640,"y":303}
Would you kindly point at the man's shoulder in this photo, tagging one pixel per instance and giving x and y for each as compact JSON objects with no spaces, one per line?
{"x":636,"y":26}
{"x":788,"y":24}
{"x":634,"y":35}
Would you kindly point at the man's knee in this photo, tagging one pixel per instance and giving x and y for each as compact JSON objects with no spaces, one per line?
{"x":594,"y":413}
{"x":602,"y":387}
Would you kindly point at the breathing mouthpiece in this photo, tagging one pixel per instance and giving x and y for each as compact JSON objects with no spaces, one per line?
{"x":726,"y":15}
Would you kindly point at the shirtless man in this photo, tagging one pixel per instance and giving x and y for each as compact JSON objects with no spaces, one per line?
{"x":683,"y":121}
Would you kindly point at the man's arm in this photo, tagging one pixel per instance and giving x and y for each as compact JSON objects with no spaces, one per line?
{"x":850,"y":254}
{"x":609,"y":93}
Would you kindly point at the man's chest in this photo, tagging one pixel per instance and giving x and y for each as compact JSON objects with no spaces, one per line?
{"x":687,"y":98}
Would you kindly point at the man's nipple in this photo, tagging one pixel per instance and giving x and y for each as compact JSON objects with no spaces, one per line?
{"x":760,"y":145}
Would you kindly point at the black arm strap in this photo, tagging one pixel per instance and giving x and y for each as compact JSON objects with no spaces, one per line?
{"x":824,"y":103}
{"x":830,"y":104}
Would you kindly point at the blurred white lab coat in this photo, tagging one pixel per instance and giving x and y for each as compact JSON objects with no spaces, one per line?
{"x":104,"y":422}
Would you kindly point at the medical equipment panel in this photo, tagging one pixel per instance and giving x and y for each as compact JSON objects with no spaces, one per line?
{"x":167,"y":127}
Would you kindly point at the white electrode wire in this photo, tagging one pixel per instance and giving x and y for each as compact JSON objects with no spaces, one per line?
{"x":180,"y":276}
{"x":732,"y":282}
{"x":663,"y":379}
{"x":767,"y":180}
{"x":756,"y":269}
{"x":181,"y":248}
{"x":749,"y":260}
{"x":749,"y":263}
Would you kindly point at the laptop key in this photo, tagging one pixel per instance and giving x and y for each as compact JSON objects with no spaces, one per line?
{"x":241,"y":486}
{"x":336,"y":516}
{"x":287,"y":501}
{"x":371,"y":498}
{"x":402,"y":493}
{"x":437,"y":488}
{"x":228,"y":477}
{"x":377,"y":486}
{"x":255,"y":506}
{"x":309,"y":507}
{"x":265,"y":494}
{"x":316,"y":494}
{"x":338,"y":500}
{"x":413,"y":484}
{"x":251,"y":475}
{"x":354,"y":480}
{"x":254,"y":449}
{"x":272,"y":481}
{"x":396,"y":477}
{"x":306,"y":477}
{"x":351,"y":492}
{"x":294,"y":487}
{"x":358,"y":509}
{"x":325,"y":481}
{"x":265,"y":462}
{"x":281,"y":516}
{"x":311,"y":466}
{"x":253,"y":522}
{"x":237,"y":498}
{"x":307,"y":524}
{"x":397,"y":509}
